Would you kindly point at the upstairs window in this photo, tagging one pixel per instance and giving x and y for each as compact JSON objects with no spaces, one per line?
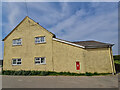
{"x":16,"y":61}
{"x":17,"y":42}
{"x":40,"y":60}
{"x":40,"y":39}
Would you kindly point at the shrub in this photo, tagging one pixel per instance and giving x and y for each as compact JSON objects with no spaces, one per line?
{"x":88,"y":74}
{"x":116,"y":57}
{"x":95,"y":73}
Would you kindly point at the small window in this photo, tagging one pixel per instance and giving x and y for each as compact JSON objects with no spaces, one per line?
{"x":16,"y":61}
{"x":40,"y":60}
{"x":40,"y":39}
{"x":17,"y":42}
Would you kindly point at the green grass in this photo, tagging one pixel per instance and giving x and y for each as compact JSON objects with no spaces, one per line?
{"x":49,"y":73}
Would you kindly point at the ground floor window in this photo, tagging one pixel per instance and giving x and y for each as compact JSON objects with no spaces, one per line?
{"x":16,"y":61}
{"x":40,"y":60}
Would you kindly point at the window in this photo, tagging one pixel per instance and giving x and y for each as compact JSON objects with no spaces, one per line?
{"x":16,"y":61}
{"x":17,"y":41}
{"x":40,"y":60}
{"x":40,"y":39}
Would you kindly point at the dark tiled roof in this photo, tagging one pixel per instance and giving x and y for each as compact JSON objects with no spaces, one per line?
{"x":93,"y":44}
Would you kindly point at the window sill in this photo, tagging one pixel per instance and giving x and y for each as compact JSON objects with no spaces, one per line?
{"x":40,"y":64}
{"x":16,"y":64}
{"x":16,"y":45}
{"x":40,"y":43}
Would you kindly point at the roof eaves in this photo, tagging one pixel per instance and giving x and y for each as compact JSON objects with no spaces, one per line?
{"x":100,"y":46}
{"x":67,"y":42}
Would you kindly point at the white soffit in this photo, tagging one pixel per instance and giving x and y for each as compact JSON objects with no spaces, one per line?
{"x":68,"y":43}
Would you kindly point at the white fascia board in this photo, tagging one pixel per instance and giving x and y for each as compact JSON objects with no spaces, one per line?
{"x":68,"y":43}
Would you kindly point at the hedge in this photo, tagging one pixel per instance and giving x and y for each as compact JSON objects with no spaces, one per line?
{"x":49,"y":73}
{"x":116,"y":57}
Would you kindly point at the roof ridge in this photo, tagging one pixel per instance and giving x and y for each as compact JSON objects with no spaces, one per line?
{"x":92,"y":41}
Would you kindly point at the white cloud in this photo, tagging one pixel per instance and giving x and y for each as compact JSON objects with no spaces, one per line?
{"x":99,"y":25}
{"x":102,"y":27}
{"x":14,"y":13}
{"x":65,"y":9}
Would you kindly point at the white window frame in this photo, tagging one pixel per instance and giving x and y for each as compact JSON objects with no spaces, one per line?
{"x":16,"y":61}
{"x":40,"y":60}
{"x":39,"y":40}
{"x":16,"y":40}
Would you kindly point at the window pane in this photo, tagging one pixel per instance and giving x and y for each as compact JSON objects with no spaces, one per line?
{"x":14,"y":61}
{"x":19,"y":59}
{"x":42,"y":39}
{"x":14,"y":42}
{"x":18,"y":63}
{"x":37,"y":62}
{"x":39,"y":39}
{"x":37,"y":59}
{"x":43,"y":60}
{"x":17,"y":42}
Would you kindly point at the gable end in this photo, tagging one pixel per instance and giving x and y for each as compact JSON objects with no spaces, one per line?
{"x":19,"y":25}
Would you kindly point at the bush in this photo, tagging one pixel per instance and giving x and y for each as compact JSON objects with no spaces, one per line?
{"x":88,"y":74}
{"x":117,"y":61}
{"x":116,"y":57}
{"x":95,"y":73}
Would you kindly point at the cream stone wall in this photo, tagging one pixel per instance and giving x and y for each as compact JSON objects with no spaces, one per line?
{"x":91,"y":60}
{"x":65,"y":57}
{"x":60,"y":57}
{"x":99,"y":60}
{"x":27,"y":31}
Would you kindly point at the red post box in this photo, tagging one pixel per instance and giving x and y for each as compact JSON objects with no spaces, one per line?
{"x":77,"y":66}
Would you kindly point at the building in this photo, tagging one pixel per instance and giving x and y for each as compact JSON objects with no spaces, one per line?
{"x":29,"y":46}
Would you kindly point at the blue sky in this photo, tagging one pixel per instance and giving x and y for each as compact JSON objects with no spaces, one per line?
{"x":0,"y":30}
{"x":73,"y":21}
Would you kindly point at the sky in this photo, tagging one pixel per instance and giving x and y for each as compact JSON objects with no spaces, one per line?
{"x":72,"y":21}
{"x":0,"y":30}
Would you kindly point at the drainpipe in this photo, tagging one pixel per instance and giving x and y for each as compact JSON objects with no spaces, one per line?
{"x":113,"y":65}
{"x":52,"y":56}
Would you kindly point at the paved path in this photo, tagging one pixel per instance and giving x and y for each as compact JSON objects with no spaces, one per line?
{"x":60,"y":81}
